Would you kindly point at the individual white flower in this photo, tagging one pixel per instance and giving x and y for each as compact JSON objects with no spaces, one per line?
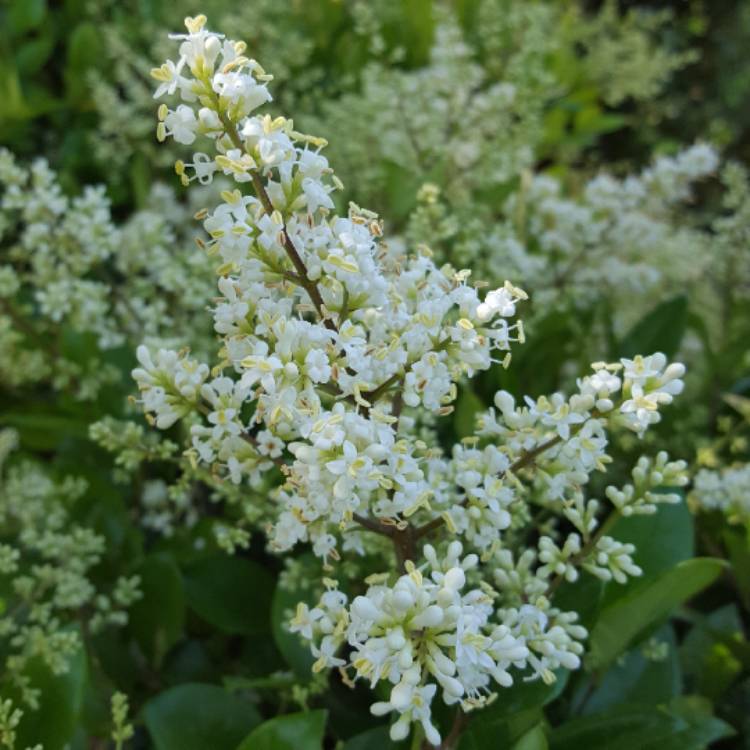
{"x":317,"y":366}
{"x":242,"y":91}
{"x":169,"y":75}
{"x":182,"y":124}
{"x":413,"y":701}
{"x":500,"y":302}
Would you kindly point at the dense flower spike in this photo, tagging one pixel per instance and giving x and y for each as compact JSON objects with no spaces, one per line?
{"x":337,"y":350}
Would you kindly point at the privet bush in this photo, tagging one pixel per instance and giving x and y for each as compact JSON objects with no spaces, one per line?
{"x":327,"y":336}
{"x":376,"y":500}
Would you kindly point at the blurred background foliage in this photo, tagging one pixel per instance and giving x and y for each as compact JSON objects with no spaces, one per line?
{"x":53,"y":55}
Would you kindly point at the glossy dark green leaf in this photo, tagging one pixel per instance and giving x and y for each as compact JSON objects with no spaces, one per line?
{"x":661,"y":541}
{"x":231,"y":593}
{"x":197,"y":717}
{"x":376,"y":738}
{"x":191,"y":661}
{"x":515,"y":713}
{"x":53,"y":724}
{"x":534,"y":739}
{"x":634,"y":678}
{"x":300,"y":731}
{"x":623,"y":621}
{"x":685,"y":724}
{"x":713,"y":652}
{"x":480,"y":735}
{"x":522,"y":696}
{"x":661,"y":330}
{"x":737,"y":543}
{"x":25,"y":15}
{"x":158,"y":618}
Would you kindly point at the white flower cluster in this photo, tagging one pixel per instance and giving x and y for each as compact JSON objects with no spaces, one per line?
{"x":422,"y":632}
{"x":638,"y":498}
{"x":614,"y":240}
{"x":66,"y":268}
{"x":726,"y":490}
{"x":333,"y":344}
{"x":402,"y":114}
{"x":619,"y":236}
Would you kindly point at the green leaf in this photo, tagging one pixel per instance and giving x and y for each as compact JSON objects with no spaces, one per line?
{"x":158,"y":618}
{"x":84,"y":52}
{"x":521,"y":696}
{"x":60,"y":704}
{"x":685,"y":724}
{"x":713,"y":652}
{"x":627,"y":618}
{"x":231,"y":593}
{"x":25,"y":15}
{"x":584,"y":596}
{"x":661,"y":330}
{"x":45,"y":431}
{"x":300,"y":731}
{"x":15,"y":106}
{"x":741,"y":404}
{"x":737,"y":542}
{"x":635,"y":678}
{"x":376,"y":738}
{"x":84,"y":47}
{"x":32,"y":55}
{"x":515,"y":714}
{"x":661,"y":541}
{"x":196,"y":717}
{"x":141,"y":180}
{"x":537,"y":365}
{"x":417,"y":30}
{"x":480,"y":735}
{"x":534,"y":739}
{"x":401,"y":189}
{"x":191,"y":661}
{"x":591,"y":121}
